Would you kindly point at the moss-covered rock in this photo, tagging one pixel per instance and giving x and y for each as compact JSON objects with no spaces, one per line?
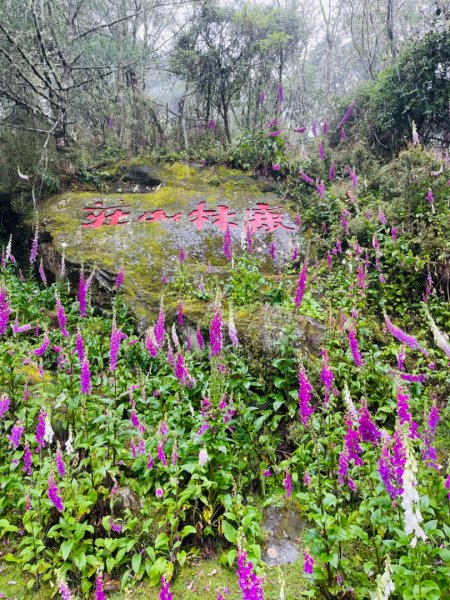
{"x":143,"y":232}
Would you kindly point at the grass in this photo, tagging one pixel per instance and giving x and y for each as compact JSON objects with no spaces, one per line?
{"x":203,"y":580}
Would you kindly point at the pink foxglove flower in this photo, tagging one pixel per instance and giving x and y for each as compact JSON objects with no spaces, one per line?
{"x":200,"y":340}
{"x":79,"y":345}
{"x":82,"y":294}
{"x":367,"y":429}
{"x":116,"y":337}
{"x":64,"y":590}
{"x":347,"y":114}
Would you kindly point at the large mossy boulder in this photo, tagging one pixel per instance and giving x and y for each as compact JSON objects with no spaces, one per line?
{"x":147,"y":213}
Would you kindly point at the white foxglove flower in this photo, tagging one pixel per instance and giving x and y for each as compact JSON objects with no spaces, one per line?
{"x":68,"y":444}
{"x":385,"y":585}
{"x":349,"y":403}
{"x":410,"y":496}
{"x":175,"y":339}
{"x":440,"y":338}
{"x":203,"y":457}
{"x":48,"y":433}
{"x":8,"y":249}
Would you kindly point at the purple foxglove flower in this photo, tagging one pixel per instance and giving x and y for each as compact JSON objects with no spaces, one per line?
{"x":248,"y":236}
{"x":402,"y":337}
{"x":79,"y":345}
{"x":182,"y":255}
{"x":4,"y":405}
{"x":300,"y":129}
{"x":200,"y":340}
{"x":287,"y":482}
{"x":325,"y":127}
{"x":367,"y":429}
{"x":314,"y":128}
{"x":301,"y":284}
{"x":304,"y":396}
{"x":82,"y":294}
{"x":212,"y":125}
{"x":151,"y":343}
{"x":345,"y":215}
{"x":275,"y":133}
{"x":34,"y":247}
{"x":181,"y":372}
{"x":343,"y":135}
{"x":329,"y":260}
{"x":42,"y":273}
{"x":165,"y":593}
{"x":16,"y":435}
{"x":339,"y":246}
{"x":99,"y":593}
{"x":347,"y":114}
{"x":429,"y":453}
{"x":40,"y":351}
{"x":332,"y":172}
{"x":215,"y":332}
{"x":180,"y":315}
{"x":85,"y":377}
{"x":62,"y":320}
{"x":53,"y":494}
{"x":404,"y":416}
{"x":232,"y":333}
{"x":150,"y":462}
{"x":249,"y":582}
{"x":382,"y":217}
{"x":447,"y":486}
{"x":430,"y":199}
{"x":64,"y":590}
{"x":272,"y":250}
{"x":262,"y":97}
{"x":5,"y":311}
{"x":159,"y":493}
{"x":276,"y":166}
{"x":326,"y":375}
{"x":27,"y":460}
{"x":280,"y":93}
{"x":354,"y":348}
{"x":120,"y":278}
{"x":116,"y":337}
{"x":16,"y":328}
{"x":59,"y":462}
{"x":307,"y":178}
{"x":321,"y":151}
{"x":295,"y":253}
{"x":394,"y":233}
{"x":227,"y":244}
{"x":308,"y":563}
{"x":320,"y":188}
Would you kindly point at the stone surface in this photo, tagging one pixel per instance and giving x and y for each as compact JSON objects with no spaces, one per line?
{"x":144,"y":231}
{"x":283,"y":527}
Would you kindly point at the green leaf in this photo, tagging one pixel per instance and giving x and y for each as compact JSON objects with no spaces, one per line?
{"x":66,"y":548}
{"x":136,"y":562}
{"x":229,"y":532}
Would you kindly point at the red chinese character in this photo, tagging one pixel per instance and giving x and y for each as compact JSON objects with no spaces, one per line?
{"x":158,"y":215}
{"x":217,"y":217}
{"x":200,"y":215}
{"x":264,"y":217}
{"x":222,"y":217}
{"x":99,"y":215}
